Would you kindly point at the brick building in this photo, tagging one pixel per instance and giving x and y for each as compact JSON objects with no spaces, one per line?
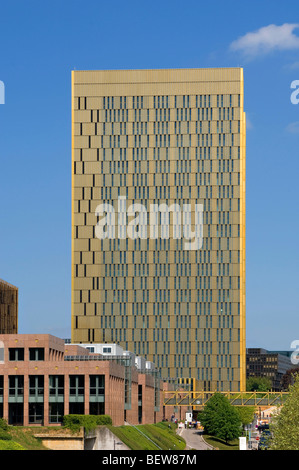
{"x":42,"y":379}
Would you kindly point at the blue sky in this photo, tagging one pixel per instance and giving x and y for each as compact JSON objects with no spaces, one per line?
{"x":41,"y":42}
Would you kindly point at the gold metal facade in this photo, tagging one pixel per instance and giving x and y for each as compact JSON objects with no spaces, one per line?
{"x":153,"y":137}
{"x":8,"y":308}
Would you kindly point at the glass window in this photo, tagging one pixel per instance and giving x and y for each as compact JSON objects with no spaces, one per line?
{"x":16,"y":354}
{"x":36,"y":354}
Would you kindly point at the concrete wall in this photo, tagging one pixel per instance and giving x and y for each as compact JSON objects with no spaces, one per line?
{"x":62,"y":439}
{"x":99,"y":439}
{"x":103,"y":439}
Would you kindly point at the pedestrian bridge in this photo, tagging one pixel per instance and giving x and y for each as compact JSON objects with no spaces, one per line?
{"x":199,"y":399}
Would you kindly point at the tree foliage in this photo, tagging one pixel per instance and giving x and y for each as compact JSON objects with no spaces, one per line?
{"x":285,"y":425}
{"x":221,"y":419}
{"x":258,"y":384}
{"x":289,"y":378}
{"x":246,"y":414}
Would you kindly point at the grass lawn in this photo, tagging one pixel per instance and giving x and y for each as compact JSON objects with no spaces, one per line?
{"x":10,"y":445}
{"x":220,"y":444}
{"x":22,"y":438}
{"x":150,"y":437}
{"x":160,"y":434}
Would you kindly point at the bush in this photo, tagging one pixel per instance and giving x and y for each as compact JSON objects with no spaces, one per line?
{"x":3,"y":424}
{"x":88,"y":422}
{"x":4,"y":436}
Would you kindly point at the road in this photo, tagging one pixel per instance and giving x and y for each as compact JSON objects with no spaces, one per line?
{"x":194,"y":439}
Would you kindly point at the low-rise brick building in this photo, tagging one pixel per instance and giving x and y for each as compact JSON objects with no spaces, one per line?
{"x":42,"y":379}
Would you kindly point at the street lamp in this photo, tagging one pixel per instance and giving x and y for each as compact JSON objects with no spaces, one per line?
{"x":116,"y":444}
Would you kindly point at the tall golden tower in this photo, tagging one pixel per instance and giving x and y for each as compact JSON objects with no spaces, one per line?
{"x":163,"y":139}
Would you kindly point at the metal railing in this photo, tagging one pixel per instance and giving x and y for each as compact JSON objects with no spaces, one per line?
{"x":200,"y":398}
{"x":144,"y":435}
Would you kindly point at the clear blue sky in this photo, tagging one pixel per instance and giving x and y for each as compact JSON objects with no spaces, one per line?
{"x":42,"y":41}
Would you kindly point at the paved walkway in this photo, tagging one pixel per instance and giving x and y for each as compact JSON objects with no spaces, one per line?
{"x":194,"y":439}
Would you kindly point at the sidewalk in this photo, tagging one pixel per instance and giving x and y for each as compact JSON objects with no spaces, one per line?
{"x":194,"y":439}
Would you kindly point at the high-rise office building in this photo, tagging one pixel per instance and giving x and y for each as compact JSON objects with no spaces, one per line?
{"x":272,"y":365}
{"x":158,"y":218}
{"x":8,"y":308}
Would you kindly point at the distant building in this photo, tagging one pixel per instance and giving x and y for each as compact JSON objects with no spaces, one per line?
{"x":42,"y":379}
{"x":270,"y":364}
{"x":8,"y":308}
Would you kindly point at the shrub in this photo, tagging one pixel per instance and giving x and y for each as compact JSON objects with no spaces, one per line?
{"x":4,"y":436}
{"x":88,"y":422}
{"x":3,"y":424}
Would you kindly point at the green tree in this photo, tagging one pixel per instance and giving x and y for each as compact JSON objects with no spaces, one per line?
{"x":221,"y":419}
{"x":246,"y":414}
{"x":289,"y":378}
{"x":259,"y":384}
{"x":285,"y":424}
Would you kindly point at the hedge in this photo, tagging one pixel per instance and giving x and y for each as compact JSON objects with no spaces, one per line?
{"x":88,"y":422}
